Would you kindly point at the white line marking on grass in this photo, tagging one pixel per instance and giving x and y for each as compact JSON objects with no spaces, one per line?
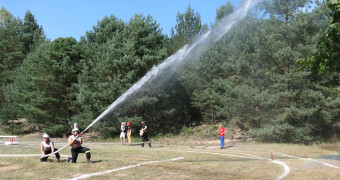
{"x":301,"y":158}
{"x":122,"y":168}
{"x":285,"y":166}
{"x":256,"y":158}
{"x":324,"y":163}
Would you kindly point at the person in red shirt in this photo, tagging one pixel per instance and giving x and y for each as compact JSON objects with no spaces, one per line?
{"x":222,"y":132}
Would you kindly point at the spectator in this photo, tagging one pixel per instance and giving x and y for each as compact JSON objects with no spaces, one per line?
{"x":123,"y":133}
{"x":129,"y":132}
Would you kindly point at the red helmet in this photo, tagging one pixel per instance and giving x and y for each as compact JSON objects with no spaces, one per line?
{"x":128,"y":123}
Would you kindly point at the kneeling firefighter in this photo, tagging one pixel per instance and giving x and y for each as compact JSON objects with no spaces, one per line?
{"x":75,"y":141}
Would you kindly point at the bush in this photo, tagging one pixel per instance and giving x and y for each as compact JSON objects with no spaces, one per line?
{"x":283,"y":133}
{"x":56,"y":130}
{"x":203,"y":131}
{"x":17,"y":127}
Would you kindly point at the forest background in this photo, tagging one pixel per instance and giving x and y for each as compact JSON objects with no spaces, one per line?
{"x":274,"y":75}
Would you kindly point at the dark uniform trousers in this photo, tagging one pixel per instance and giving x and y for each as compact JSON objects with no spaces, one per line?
{"x":76,"y":151}
{"x":145,"y":138}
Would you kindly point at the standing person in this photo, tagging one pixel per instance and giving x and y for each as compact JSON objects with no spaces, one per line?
{"x":76,"y":142}
{"x":222,"y":132}
{"x":145,"y":136}
{"x":47,"y":147}
{"x":123,"y":133}
{"x":129,"y":132}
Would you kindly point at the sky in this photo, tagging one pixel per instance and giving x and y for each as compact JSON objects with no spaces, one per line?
{"x":72,"y":18}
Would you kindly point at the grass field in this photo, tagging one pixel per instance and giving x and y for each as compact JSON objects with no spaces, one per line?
{"x":174,"y":159}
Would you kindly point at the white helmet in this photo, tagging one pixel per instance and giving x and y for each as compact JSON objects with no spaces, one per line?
{"x":46,"y":136}
{"x":75,"y":129}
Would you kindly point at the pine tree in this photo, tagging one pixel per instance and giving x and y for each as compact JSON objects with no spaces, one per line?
{"x":11,"y":57}
{"x":44,"y":84}
{"x":289,"y":101}
{"x":188,"y":27}
{"x":117,"y":64}
{"x":224,"y":10}
{"x":33,"y":34}
{"x":326,"y":59}
{"x":17,"y":40}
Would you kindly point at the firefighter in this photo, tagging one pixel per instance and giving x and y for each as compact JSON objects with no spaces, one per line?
{"x":75,"y":142}
{"x":47,"y":147}
{"x":144,"y":134}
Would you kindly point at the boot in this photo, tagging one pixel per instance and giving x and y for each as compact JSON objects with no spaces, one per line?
{"x":58,"y":160}
{"x":142,"y":145}
{"x":88,"y":161}
{"x":69,"y":159}
{"x":149,"y":145}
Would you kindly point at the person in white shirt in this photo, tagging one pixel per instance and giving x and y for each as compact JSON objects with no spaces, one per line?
{"x":47,"y":147}
{"x":123,"y":134}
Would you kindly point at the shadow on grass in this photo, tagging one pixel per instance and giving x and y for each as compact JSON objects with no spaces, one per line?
{"x":218,"y":160}
{"x":208,"y":147}
{"x":146,"y":145}
{"x":92,"y":162}
{"x":228,"y":147}
{"x":136,"y":144}
{"x":332,"y":157}
{"x":65,"y":161}
{"x":97,"y":161}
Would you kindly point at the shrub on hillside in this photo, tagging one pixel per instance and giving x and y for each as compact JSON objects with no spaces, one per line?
{"x":203,"y":131}
{"x":284,"y":133}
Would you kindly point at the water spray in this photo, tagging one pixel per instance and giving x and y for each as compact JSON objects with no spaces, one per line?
{"x":222,"y":27}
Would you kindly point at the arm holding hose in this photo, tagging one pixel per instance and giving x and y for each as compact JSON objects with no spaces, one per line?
{"x":52,"y":147}
{"x":77,"y":140}
{"x":42,"y":149}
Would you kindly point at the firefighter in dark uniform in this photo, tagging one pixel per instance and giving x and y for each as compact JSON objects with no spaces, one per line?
{"x":145,"y":136}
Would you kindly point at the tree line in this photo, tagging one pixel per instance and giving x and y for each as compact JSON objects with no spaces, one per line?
{"x":275,"y":74}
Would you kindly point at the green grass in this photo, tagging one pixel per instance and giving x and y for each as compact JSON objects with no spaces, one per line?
{"x":202,"y":160}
